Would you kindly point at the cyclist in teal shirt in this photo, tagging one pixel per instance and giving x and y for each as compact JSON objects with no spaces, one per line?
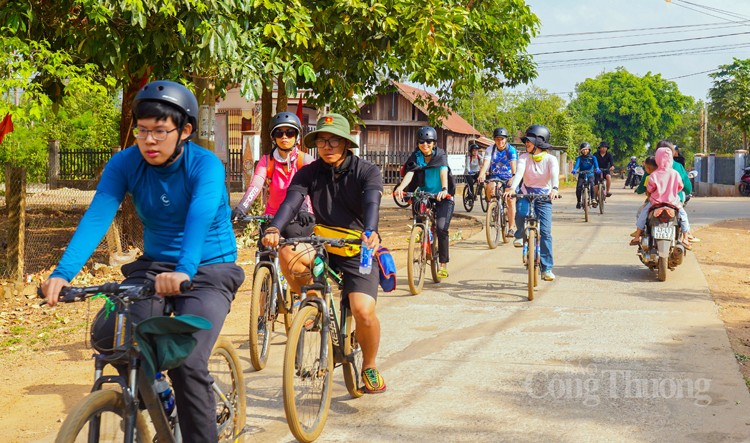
{"x":429,"y":166}
{"x":179,"y":195}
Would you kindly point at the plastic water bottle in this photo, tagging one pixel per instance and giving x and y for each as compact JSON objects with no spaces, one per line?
{"x":166,"y":396}
{"x":365,"y":258}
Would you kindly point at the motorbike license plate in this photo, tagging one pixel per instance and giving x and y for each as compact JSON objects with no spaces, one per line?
{"x":664,"y":232}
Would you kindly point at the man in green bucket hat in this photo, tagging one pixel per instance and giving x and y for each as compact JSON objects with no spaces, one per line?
{"x":345,"y":192}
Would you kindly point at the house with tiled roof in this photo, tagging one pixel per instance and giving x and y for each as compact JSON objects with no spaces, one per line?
{"x":390,"y":124}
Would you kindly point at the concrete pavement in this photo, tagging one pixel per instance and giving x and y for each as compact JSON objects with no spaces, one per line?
{"x":604,"y":353}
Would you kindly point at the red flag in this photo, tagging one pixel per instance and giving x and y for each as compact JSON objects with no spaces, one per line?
{"x":299,"y":109}
{"x":146,"y":75}
{"x":6,"y":126}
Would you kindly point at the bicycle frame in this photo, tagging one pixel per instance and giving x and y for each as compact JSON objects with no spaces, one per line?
{"x":425,"y":217}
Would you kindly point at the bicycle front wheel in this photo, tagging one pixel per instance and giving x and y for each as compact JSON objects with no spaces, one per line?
{"x":229,"y":391}
{"x":99,"y":417}
{"x":352,"y":357}
{"x":435,"y":259}
{"x":416,"y":260}
{"x":602,"y":197}
{"x":307,"y":385}
{"x":492,"y":224}
{"x":261,"y":317}
{"x":531,"y":263}
{"x":482,"y":196}
{"x":585,"y":204}
{"x":468,"y":199}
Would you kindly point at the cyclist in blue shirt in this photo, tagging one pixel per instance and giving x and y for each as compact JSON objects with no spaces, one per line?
{"x":179,"y":195}
{"x":585,"y":164}
{"x":428,"y":165}
{"x":500,"y":161}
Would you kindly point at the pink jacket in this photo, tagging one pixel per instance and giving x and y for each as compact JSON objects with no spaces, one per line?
{"x":664,"y":184}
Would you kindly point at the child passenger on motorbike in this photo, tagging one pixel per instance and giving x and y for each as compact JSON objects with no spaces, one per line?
{"x":663,"y":186}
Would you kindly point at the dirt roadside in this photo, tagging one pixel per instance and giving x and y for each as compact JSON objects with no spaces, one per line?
{"x":46,"y":366}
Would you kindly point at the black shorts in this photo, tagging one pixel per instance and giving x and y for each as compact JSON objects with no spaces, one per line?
{"x":353,"y":280}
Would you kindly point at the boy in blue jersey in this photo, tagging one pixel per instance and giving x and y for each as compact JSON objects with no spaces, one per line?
{"x":179,"y":194}
{"x":428,"y":165}
{"x":500,"y":161}
{"x":587,"y":165}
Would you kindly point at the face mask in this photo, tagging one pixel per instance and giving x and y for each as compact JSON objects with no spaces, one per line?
{"x":538,"y":157}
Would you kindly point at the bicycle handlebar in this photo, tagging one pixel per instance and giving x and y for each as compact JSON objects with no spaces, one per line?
{"x":321,"y":241}
{"x":265,"y":217}
{"x":419,"y":194}
{"x":534,"y":196}
{"x":72,"y":294}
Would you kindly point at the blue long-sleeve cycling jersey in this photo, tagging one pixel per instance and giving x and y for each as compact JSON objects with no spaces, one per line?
{"x":184,"y":208}
{"x":586,"y":164}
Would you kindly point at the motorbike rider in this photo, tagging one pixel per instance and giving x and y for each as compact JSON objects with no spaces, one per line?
{"x":275,"y":171}
{"x":500,"y":161}
{"x":587,"y":165}
{"x":632,"y":164}
{"x":540,"y":174}
{"x":606,"y":164}
{"x":663,"y":186}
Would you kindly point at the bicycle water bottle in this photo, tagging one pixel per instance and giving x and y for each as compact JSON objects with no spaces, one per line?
{"x":166,"y":396}
{"x":365,"y":258}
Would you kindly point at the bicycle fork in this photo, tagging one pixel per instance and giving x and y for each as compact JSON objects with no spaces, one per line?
{"x":325,"y":327}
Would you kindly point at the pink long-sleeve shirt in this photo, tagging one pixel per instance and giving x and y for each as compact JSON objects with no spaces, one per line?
{"x":664,"y":184}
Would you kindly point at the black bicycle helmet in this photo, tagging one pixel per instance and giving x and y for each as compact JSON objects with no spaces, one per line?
{"x":473,"y":146}
{"x":537,"y":133}
{"x":500,"y":132}
{"x":427,"y":133}
{"x":584,"y":145}
{"x":285,"y":119}
{"x":171,"y":93}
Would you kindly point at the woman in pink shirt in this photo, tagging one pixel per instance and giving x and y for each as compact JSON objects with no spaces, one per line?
{"x":663,"y":187}
{"x":275,"y":170}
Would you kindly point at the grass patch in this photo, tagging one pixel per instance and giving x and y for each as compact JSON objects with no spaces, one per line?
{"x":742,"y":358}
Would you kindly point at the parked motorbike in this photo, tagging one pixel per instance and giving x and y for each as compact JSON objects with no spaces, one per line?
{"x":744,"y":185}
{"x":660,"y":249}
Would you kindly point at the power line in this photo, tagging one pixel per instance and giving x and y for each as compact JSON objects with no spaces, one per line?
{"x":640,"y":44}
{"x":694,"y":73}
{"x":702,"y":12}
{"x":628,"y":30}
{"x":720,"y":11}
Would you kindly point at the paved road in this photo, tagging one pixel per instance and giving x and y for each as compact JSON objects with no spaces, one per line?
{"x":604,"y":353}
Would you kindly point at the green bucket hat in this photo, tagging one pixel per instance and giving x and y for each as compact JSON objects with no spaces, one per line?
{"x":165,"y":342}
{"x":335,"y":124}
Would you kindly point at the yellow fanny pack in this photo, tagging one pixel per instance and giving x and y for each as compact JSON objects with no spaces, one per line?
{"x":337,"y":232}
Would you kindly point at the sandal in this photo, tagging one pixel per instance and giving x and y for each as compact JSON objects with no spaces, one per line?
{"x":635,"y":242}
{"x":442,"y":273}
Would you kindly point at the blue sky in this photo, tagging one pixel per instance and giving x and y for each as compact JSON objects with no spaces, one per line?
{"x":698,"y":23}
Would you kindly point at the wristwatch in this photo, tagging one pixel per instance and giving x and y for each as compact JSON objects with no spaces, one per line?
{"x":555,"y":188}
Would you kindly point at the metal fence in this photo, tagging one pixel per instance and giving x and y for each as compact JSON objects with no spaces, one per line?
{"x":81,"y":164}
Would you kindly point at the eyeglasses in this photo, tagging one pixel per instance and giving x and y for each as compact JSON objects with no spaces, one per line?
{"x":429,"y":142}
{"x":289,"y":132}
{"x":157,"y":134}
{"x":333,"y":142}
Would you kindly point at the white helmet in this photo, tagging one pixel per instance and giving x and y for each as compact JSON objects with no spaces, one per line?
{"x":633,"y":157}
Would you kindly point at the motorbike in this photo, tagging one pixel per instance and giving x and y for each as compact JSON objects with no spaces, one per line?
{"x":660,"y":248}
{"x":637,"y":176}
{"x":744,"y":186}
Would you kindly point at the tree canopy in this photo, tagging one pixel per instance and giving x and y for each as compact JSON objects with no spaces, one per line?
{"x":729,"y":95}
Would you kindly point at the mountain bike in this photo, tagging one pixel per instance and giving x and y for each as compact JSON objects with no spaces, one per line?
{"x":531,"y":237}
{"x":270,"y":298}
{"x":107,"y":415}
{"x":470,"y":194}
{"x":423,"y":241}
{"x":318,"y":341}
{"x":496,"y":223}
{"x":586,"y":194}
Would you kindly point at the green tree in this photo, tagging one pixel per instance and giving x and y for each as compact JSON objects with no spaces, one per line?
{"x":728,"y":96}
{"x":630,"y":111}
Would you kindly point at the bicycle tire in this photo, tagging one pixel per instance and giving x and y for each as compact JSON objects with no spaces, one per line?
{"x":491,"y":224}
{"x":468,"y":199}
{"x":585,"y":204}
{"x":297,"y":406}
{"x":261,"y":319}
{"x":400,"y":203}
{"x":416,"y":260}
{"x":92,"y":407}
{"x":602,"y":198}
{"x":530,"y":263}
{"x":483,"y":198}
{"x":290,"y":309}
{"x":537,"y":261}
{"x":434,"y":259}
{"x":504,"y":224}
{"x":225,"y":368}
{"x":352,"y":350}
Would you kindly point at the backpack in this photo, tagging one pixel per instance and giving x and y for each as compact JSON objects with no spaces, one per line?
{"x":271,"y":164}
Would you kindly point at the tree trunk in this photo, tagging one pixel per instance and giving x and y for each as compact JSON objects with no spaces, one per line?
{"x":282,"y":99}
{"x":126,"y":116}
{"x":15,"y":182}
{"x":265,"y":120}
{"x":205,"y":93}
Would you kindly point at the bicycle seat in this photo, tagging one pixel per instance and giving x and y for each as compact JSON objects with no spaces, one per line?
{"x":165,"y":342}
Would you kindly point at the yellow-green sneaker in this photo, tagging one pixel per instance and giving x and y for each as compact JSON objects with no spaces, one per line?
{"x":374,"y":383}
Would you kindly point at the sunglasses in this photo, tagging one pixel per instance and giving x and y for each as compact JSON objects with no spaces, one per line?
{"x":278,"y":133}
{"x":421,"y":142}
